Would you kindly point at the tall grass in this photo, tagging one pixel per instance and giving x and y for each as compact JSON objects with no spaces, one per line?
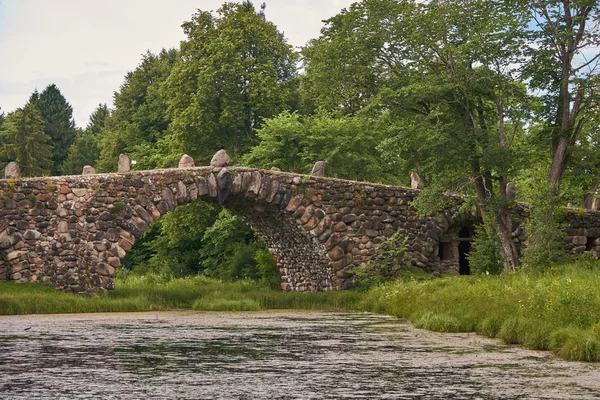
{"x":147,"y":293}
{"x":558,"y":310}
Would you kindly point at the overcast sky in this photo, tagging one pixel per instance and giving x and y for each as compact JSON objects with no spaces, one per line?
{"x":86,"y":47}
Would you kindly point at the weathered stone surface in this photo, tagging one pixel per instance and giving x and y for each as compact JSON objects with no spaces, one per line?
{"x":318,"y":169}
{"x":511,"y":191}
{"x":336,"y":253}
{"x":220,"y":159}
{"x":124,"y":163}
{"x":224,"y":184}
{"x":12,"y":171}
{"x":415,"y":181}
{"x":31,"y":235}
{"x":88,"y":170}
{"x":186,"y":162}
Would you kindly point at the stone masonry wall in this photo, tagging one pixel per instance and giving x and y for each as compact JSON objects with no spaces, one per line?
{"x":72,"y":231}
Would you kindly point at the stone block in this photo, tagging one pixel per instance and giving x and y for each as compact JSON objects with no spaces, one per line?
{"x":20,"y":266}
{"x":336,"y":253}
{"x":318,"y":169}
{"x":186,"y":162}
{"x":32,"y":235}
{"x":340,"y":227}
{"x":307,"y":215}
{"x":294,"y":203}
{"x":12,"y":171}
{"x":349,"y":218}
{"x":220,"y":159}
{"x":79,"y":192}
{"x":88,"y":170}
{"x":579,"y":240}
{"x":212,"y":186}
{"x":124,"y":163}
{"x":311,"y":224}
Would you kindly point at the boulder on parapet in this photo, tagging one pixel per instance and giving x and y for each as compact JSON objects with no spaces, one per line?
{"x":186,"y":161}
{"x":511,"y":191}
{"x":88,"y":170}
{"x":318,"y":169}
{"x":124,"y":163}
{"x":275,"y":169}
{"x":11,"y":171}
{"x":220,"y":159}
{"x":416,"y":182}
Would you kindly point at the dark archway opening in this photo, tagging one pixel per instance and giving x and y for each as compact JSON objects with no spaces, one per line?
{"x":445,"y":251}
{"x":465,"y":236}
{"x":591,"y":243}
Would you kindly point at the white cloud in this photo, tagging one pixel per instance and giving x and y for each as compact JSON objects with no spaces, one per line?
{"x":86,"y":47}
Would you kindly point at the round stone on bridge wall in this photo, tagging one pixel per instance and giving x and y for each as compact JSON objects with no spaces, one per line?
{"x":186,"y":162}
{"x":318,"y":169}
{"x":11,"y":171}
{"x":124,"y":163}
{"x":88,"y":170}
{"x":220,"y":159}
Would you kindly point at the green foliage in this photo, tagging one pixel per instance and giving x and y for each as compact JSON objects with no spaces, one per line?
{"x":388,"y":263}
{"x":172,"y":245}
{"x":229,"y":252}
{"x":235,"y":69}
{"x":85,"y":150}
{"x":348,"y":145}
{"x":138,"y":125}
{"x":484,"y":257}
{"x":558,"y":310}
{"x":25,"y":142}
{"x":545,"y":226}
{"x":202,"y":238}
{"x":59,"y":125}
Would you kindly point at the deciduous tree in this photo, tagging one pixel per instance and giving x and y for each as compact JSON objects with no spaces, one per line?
{"x":235,"y":69}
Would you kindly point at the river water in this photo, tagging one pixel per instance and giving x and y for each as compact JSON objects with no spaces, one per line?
{"x":269,"y":355}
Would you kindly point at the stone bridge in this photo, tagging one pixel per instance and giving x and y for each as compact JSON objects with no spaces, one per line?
{"x":72,"y":231}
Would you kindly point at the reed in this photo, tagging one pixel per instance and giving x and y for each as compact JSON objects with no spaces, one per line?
{"x":558,"y":310}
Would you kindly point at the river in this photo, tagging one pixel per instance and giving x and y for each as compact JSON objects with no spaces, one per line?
{"x":270,"y":355}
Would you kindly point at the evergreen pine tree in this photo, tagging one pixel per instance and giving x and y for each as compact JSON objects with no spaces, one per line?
{"x":25,"y":142}
{"x":59,"y":124}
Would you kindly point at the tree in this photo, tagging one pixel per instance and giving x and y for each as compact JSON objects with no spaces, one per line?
{"x":25,"y":142}
{"x":565,"y":61}
{"x":59,"y":125}
{"x":447,"y":92}
{"x":235,"y":69}
{"x":348,"y":145}
{"x":138,"y":125}
{"x":359,"y":53}
{"x":85,"y":150}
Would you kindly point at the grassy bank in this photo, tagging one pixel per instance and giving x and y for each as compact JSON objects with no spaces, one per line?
{"x":150,"y":293}
{"x":558,"y":310}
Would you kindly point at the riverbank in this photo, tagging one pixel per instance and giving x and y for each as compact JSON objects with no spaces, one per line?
{"x":557,"y":311}
{"x":150,"y":293}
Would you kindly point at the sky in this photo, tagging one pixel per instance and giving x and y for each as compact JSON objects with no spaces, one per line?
{"x":86,"y":47}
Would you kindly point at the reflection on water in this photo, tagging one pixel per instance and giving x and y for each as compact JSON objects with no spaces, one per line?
{"x":269,"y":355}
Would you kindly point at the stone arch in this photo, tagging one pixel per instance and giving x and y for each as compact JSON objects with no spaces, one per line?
{"x":73,"y":231}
